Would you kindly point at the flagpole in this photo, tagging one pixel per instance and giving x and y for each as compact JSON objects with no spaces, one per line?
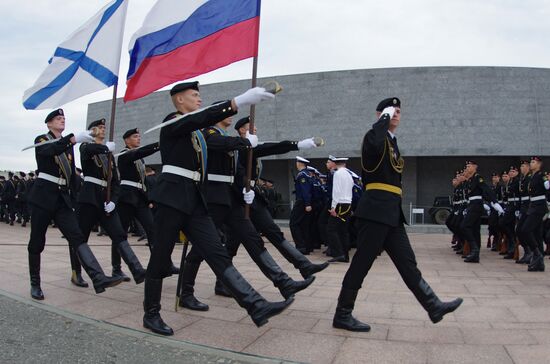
{"x":111,"y":137}
{"x":252,"y":112}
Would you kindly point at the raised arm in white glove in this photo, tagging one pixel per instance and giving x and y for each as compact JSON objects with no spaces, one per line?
{"x":498,"y":208}
{"x":390,"y":110}
{"x":109,"y":207}
{"x":111,"y":146}
{"x":253,"y":139}
{"x":487,"y":208}
{"x":84,"y":137}
{"x":252,"y":97}
{"x":248,"y":196}
{"x":307,"y":144}
{"x":547,"y":185}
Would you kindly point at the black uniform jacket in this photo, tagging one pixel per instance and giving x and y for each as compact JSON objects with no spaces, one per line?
{"x":95,"y":163}
{"x":21,"y":190}
{"x":536,"y":188}
{"x":377,"y":152}
{"x":222,"y":158}
{"x":9,"y":191}
{"x":478,"y":187}
{"x":128,"y":170}
{"x":178,"y":147}
{"x":53,"y":159}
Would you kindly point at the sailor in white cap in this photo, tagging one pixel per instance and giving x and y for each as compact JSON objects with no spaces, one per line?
{"x":300,"y":216}
{"x":340,"y":211}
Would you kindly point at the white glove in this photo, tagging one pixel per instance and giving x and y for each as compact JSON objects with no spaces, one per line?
{"x":547,"y":185}
{"x":390,"y":110}
{"x":498,"y":208}
{"x":252,"y":97}
{"x":253,"y":139}
{"x":248,"y":196}
{"x":307,"y":144}
{"x":111,"y":146}
{"x":517,"y":214}
{"x":487,"y":208}
{"x":84,"y":137}
{"x":109,"y":207}
{"x":465,"y":212}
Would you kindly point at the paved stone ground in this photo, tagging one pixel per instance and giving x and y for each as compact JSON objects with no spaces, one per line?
{"x":505,"y":317}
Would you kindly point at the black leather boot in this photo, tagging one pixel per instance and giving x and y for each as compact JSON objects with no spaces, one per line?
{"x":220,"y":289}
{"x":287,"y":286}
{"x":151,"y":307}
{"x":77,"y":280}
{"x":299,"y":261}
{"x":117,"y":272}
{"x":187,"y":297}
{"x":432,"y":304}
{"x":474,"y":254}
{"x":257,"y":307}
{"x":94,"y":271}
{"x":132,"y":261}
{"x":343,"y":318}
{"x":527,"y":256}
{"x":34,"y":272}
{"x":537,"y":263}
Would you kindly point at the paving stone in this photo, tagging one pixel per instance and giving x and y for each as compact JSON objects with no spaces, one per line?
{"x":467,"y":354}
{"x":293,"y":345}
{"x":523,"y":354}
{"x":440,"y":335}
{"x":479,"y":336}
{"x":373,"y":351}
{"x":221,"y":334}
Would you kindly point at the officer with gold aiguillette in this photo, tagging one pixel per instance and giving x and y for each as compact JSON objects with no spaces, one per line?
{"x":380,"y":223}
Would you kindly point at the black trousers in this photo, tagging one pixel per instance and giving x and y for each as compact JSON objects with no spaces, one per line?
{"x":65,"y":219}
{"x":519,"y":227}
{"x":373,"y":237}
{"x":314,"y":232}
{"x":457,"y":224}
{"x":3,"y":211}
{"x":199,"y":229}
{"x":507,"y":225}
{"x":471,"y":225}
{"x":238,"y":227}
{"x":338,"y":231}
{"x":127,"y":213}
{"x":11,"y":210}
{"x":322,"y":222}
{"x":493,"y":224}
{"x":89,"y":215}
{"x":263,"y":222}
{"x":532,"y":232}
{"x":449,"y":222}
{"x":299,"y":224}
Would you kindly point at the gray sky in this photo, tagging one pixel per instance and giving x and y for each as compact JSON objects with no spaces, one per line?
{"x":297,"y":36}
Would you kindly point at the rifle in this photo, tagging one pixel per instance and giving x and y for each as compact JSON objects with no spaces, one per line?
{"x":179,"y":287}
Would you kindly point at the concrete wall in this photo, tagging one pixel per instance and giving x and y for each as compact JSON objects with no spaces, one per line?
{"x":448,"y":114}
{"x":460,"y":111}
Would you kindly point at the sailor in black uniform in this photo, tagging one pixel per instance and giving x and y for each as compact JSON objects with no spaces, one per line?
{"x":380,"y":223}
{"x":52,"y":198}
{"x":181,"y":204}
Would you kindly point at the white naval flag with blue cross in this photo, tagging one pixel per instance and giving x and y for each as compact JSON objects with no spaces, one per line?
{"x":88,"y":61}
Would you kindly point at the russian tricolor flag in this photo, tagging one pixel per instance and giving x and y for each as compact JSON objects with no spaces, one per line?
{"x":181,"y":39}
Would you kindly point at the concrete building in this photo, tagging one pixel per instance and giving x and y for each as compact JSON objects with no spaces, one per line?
{"x":493,"y":114}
